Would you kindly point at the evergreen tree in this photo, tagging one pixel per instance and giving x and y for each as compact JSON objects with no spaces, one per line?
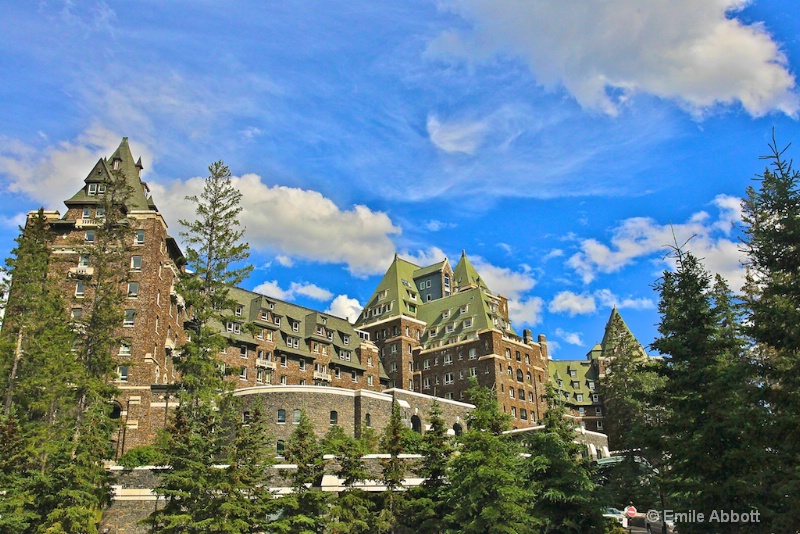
{"x":16,"y":507}
{"x":487,"y":490}
{"x":392,"y":469}
{"x":214,"y":255}
{"x":710,"y":458}
{"x":305,"y":509}
{"x":771,"y":213}
{"x":426,"y":506}
{"x":565,"y":498}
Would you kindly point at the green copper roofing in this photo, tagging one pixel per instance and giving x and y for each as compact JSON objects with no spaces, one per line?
{"x":102,"y":173}
{"x":395,"y":295}
{"x":465,"y":274}
{"x":455,"y":318}
{"x":616,"y":318}
{"x":576,"y":387}
{"x":435,"y":268}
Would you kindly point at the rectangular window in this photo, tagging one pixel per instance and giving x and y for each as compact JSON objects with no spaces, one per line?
{"x":235,"y":328}
{"x":89,"y":237}
{"x":100,"y":213}
{"x":101,"y":189}
{"x":133,"y":289}
{"x":345,"y":339}
{"x":125,"y":348}
{"x":473,"y":353}
{"x":136,"y":263}
{"x":79,"y":288}
{"x":354,"y":376}
{"x":139,"y":237}
{"x":369,"y":380}
{"x":260,"y":334}
{"x":243,"y":374}
{"x":76,"y":313}
{"x":283,"y":380}
{"x":130,"y":315}
{"x":295,"y":326}
{"x":243,"y":351}
{"x":599,"y":425}
{"x":92,"y":189}
{"x":122,"y":373}
{"x":239,"y":310}
{"x":83,"y":261}
{"x":579,"y":397}
{"x":591,"y":385}
{"x":284,"y":361}
{"x":468,"y":322}
{"x":595,"y":398}
{"x":394,"y":367}
{"x":450,"y":328}
{"x":448,"y":378}
{"x":473,"y":371}
{"x":426,"y":383}
{"x":581,"y":411}
{"x":448,"y":359}
{"x":598,"y":411}
{"x":302,"y":365}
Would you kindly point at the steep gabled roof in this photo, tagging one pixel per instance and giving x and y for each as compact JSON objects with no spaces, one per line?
{"x":435,"y":268}
{"x":616,"y":318}
{"x":465,"y":274}
{"x":394,"y":292}
{"x":103,"y":172}
{"x":445,"y":317}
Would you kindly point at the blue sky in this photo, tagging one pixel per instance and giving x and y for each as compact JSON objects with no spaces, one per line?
{"x":555,"y":141}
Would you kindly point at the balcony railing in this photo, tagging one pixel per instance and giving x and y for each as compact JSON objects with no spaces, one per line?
{"x":322,"y":376}
{"x":81,"y":271}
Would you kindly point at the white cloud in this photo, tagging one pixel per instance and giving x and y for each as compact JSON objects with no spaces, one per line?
{"x":584,"y":303}
{"x":573,"y":338}
{"x":526,"y":311}
{"x":643,"y":237}
{"x":604,"y":51}
{"x":426,"y":257}
{"x":434,"y":226}
{"x":572,"y":303}
{"x":55,"y":173}
{"x":312,"y":291}
{"x":555,"y":253}
{"x":298,"y":223}
{"x":344,"y":306}
{"x":285,"y":261}
{"x":455,"y":137}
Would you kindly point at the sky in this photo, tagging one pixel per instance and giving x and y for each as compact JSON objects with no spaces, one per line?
{"x":563,"y":144}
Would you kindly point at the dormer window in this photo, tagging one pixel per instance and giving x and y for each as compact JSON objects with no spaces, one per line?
{"x":101,"y":189}
{"x":239,"y":310}
{"x":91,"y":189}
{"x":116,"y":165}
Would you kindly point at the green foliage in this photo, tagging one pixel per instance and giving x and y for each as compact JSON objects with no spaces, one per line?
{"x":143,"y":455}
{"x":487,"y":491}
{"x":565,"y":497}
{"x":213,"y":251}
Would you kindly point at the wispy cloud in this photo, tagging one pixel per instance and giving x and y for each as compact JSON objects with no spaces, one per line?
{"x":306,"y":289}
{"x":572,"y":338}
{"x":603,"y":52}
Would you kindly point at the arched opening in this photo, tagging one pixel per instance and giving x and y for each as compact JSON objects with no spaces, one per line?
{"x":296,"y":415}
{"x":416,"y":424}
{"x":280,"y":448}
{"x":458,"y":429}
{"x":281,"y":415}
{"x":116,"y":410}
{"x":368,"y":420}
{"x":334,"y":417}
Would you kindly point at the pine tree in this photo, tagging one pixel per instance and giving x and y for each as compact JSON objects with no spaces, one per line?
{"x":392,"y":469}
{"x":711,"y":460}
{"x":487,"y":490}
{"x":565,"y":498}
{"x":426,"y":506}
{"x":771,"y":213}
{"x":305,"y":509}
{"x":214,"y":255}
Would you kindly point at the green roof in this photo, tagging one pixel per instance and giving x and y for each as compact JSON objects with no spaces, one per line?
{"x":102,"y":173}
{"x":571,"y":386}
{"x":465,"y":274}
{"x":445,"y":317}
{"x":395,"y":293}
{"x":435,"y":268}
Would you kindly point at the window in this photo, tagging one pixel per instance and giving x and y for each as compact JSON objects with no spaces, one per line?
{"x":579,"y":397}
{"x":518,"y":356}
{"x":598,"y":411}
{"x":283,"y":380}
{"x":599,"y":425}
{"x":260,"y":334}
{"x":513,"y":412}
{"x":79,"y":288}
{"x":426,"y":383}
{"x":581,"y":411}
{"x":235,"y":328}
{"x":122,"y":373}
{"x":573,"y":373}
{"x":345,"y":339}
{"x":334,"y":417}
{"x":101,"y":189}
{"x":243,"y":374}
{"x":284,"y":362}
{"x":133,"y":289}
{"x":353,"y":376}
{"x":280,"y":448}
{"x":510,"y":371}
{"x":468,"y":322}
{"x":295,"y":326}
{"x":76,"y":313}
{"x":136,"y":263}
{"x":464,"y":308}
{"x":239,"y":310}
{"x":302,"y":365}
{"x":448,"y":378}
{"x":130,"y":315}
{"x":528,"y":358}
{"x":450,"y":327}
{"x":530,"y":396}
{"x":523,"y":414}
{"x":511,"y":392}
{"x":100,"y":213}
{"x":426,"y":364}
{"x":89,"y":236}
{"x":473,"y":371}
{"x":394,"y":367}
{"x":260,"y":375}
{"x":591,"y":385}
{"x":445,"y":314}
{"x":125,"y":348}
{"x":243,"y":351}
{"x":296,"y":415}
{"x":595,"y":398}
{"x":368,"y":420}
{"x":369,"y":380}
{"x":83,"y":261}
{"x":519,"y":375}
{"x":277,"y":321}
{"x":91,"y":189}
{"x":338,"y":373}
{"x":139,"y":237}
{"x":473,"y":353}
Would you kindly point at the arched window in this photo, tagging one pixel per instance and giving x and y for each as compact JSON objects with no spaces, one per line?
{"x":457,"y":429}
{"x":528,"y":376}
{"x":281,"y":415}
{"x":334,"y":417}
{"x":368,"y":420}
{"x":116,"y":411}
{"x":510,"y":371}
{"x":297,"y":414}
{"x":511,"y":392}
{"x":508,"y":354}
{"x":416,"y":424}
{"x":519,"y":375}
{"x":280,"y":448}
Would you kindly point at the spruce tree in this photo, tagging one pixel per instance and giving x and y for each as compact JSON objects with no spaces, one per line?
{"x":559,"y":474}
{"x":771,"y":214}
{"x":487,"y":489}
{"x":711,"y":459}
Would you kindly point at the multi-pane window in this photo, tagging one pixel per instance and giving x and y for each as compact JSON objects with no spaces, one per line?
{"x":100,"y":213}
{"x":281,"y":416}
{"x":83,"y":261}
{"x":243,"y":351}
{"x":334,"y":417}
{"x":235,"y":328}
{"x":296,"y":415}
{"x":89,"y":236}
{"x":448,"y":378}
{"x":136,"y":263}
{"x":239,"y":310}
{"x":130,"y":316}
{"x":139,"y":237}
{"x":125,"y":348}
{"x":79,"y":288}
{"x":426,"y":383}
{"x":353,"y":376}
{"x":122,"y":373}
{"x":243,"y":374}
